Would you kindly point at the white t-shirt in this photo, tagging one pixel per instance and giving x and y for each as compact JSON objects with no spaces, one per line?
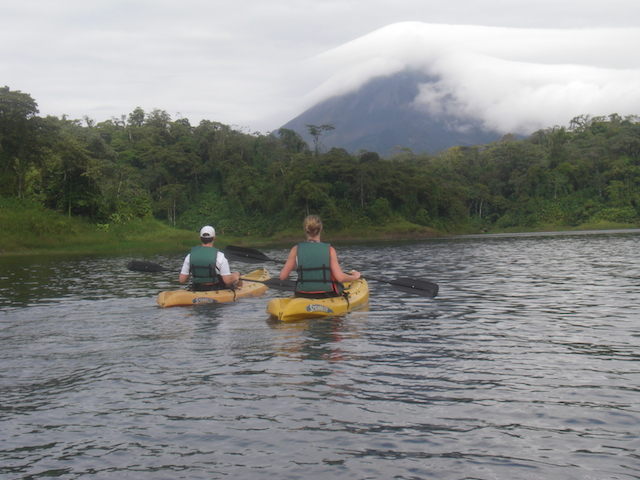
{"x":222,"y":265}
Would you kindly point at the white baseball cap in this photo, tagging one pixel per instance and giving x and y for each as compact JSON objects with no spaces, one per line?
{"x":207,"y":232}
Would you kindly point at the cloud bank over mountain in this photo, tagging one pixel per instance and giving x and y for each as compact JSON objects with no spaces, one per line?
{"x":382,"y":117}
{"x":256,"y":64}
{"x":510,"y":80}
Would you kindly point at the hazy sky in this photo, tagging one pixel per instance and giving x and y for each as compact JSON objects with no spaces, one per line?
{"x":517,"y":65}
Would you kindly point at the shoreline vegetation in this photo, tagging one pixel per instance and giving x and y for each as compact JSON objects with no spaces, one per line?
{"x":37,"y":231}
{"x":147,"y":182}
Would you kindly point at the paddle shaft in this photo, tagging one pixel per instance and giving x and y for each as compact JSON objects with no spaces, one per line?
{"x":409,"y":285}
{"x":138,"y":266}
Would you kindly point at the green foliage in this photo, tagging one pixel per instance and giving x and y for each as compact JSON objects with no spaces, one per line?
{"x":24,"y":218}
{"x":422,"y":217}
{"x":19,"y":140}
{"x":380,"y":212}
{"x":146,"y":166}
{"x":618,"y":215}
{"x":27,"y":226}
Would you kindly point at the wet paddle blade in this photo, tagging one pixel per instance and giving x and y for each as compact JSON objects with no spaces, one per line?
{"x":248,"y":255}
{"x":410,"y":285}
{"x":414,"y":286}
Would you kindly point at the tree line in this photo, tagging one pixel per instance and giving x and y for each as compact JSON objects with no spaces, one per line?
{"x":147,"y":164}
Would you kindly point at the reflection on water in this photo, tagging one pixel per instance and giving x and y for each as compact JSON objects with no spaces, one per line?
{"x":53,"y":279}
{"x":525,"y":366}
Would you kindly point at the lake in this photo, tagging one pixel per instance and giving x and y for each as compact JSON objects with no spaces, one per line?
{"x":525,"y":366}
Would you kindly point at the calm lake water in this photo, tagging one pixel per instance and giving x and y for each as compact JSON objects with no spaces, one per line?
{"x":526,"y":366}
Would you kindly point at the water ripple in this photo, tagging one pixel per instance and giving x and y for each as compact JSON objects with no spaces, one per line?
{"x":525,"y":366}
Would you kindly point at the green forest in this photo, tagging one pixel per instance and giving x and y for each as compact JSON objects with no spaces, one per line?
{"x":146,"y":165}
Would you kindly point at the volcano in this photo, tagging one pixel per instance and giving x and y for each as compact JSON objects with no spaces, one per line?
{"x":383,"y":116}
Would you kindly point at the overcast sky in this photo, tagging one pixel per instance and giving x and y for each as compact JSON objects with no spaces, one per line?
{"x":517,"y":65}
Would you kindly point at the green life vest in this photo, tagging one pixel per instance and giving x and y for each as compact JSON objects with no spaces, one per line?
{"x":203,"y":265}
{"x":314,"y":268}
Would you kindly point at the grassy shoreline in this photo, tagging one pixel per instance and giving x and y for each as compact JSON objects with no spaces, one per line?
{"x":151,"y":236}
{"x":40,"y":232}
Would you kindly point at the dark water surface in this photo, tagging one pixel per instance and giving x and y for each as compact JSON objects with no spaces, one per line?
{"x":526,"y":366}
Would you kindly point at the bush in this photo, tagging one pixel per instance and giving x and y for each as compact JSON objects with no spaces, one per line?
{"x":618,"y":215}
{"x":380,"y":212}
{"x":25,"y":218}
{"x":423,"y":218}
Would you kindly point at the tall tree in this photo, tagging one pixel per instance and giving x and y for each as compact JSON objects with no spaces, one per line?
{"x":18,"y":139}
{"x":315,"y":131}
{"x":292,"y":141}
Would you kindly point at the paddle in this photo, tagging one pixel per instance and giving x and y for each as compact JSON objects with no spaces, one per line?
{"x":248,"y":255}
{"x":407,"y":285}
{"x":276,"y":283}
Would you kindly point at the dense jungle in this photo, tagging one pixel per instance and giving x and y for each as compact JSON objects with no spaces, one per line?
{"x":146,"y":166}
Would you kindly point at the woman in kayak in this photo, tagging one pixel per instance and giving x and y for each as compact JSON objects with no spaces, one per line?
{"x":208,"y":266}
{"x":319,"y":273}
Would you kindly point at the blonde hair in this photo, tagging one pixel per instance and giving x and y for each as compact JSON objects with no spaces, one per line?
{"x":312,"y":225}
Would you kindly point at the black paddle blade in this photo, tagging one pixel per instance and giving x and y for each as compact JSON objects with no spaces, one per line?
{"x":248,"y":255}
{"x":414,"y":286}
{"x":138,"y":266}
{"x":277,"y":284}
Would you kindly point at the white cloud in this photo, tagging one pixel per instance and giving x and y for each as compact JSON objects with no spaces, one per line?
{"x":253,"y":62}
{"x":513,"y":80}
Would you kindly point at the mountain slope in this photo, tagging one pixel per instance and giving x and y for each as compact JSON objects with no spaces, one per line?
{"x":382,"y":115}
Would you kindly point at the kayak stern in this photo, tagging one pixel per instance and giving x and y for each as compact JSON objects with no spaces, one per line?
{"x":356,"y":295}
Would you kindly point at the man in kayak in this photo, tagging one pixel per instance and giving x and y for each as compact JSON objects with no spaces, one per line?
{"x":208,"y":266}
{"x":319,"y":273}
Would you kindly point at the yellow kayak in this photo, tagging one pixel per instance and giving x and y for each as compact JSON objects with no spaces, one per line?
{"x":183,"y":298}
{"x":356,"y":295}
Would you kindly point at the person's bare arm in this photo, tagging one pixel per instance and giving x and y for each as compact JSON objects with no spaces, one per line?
{"x":337,"y":272}
{"x":233,"y":279}
{"x":290,"y":264}
{"x":184,"y":277}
